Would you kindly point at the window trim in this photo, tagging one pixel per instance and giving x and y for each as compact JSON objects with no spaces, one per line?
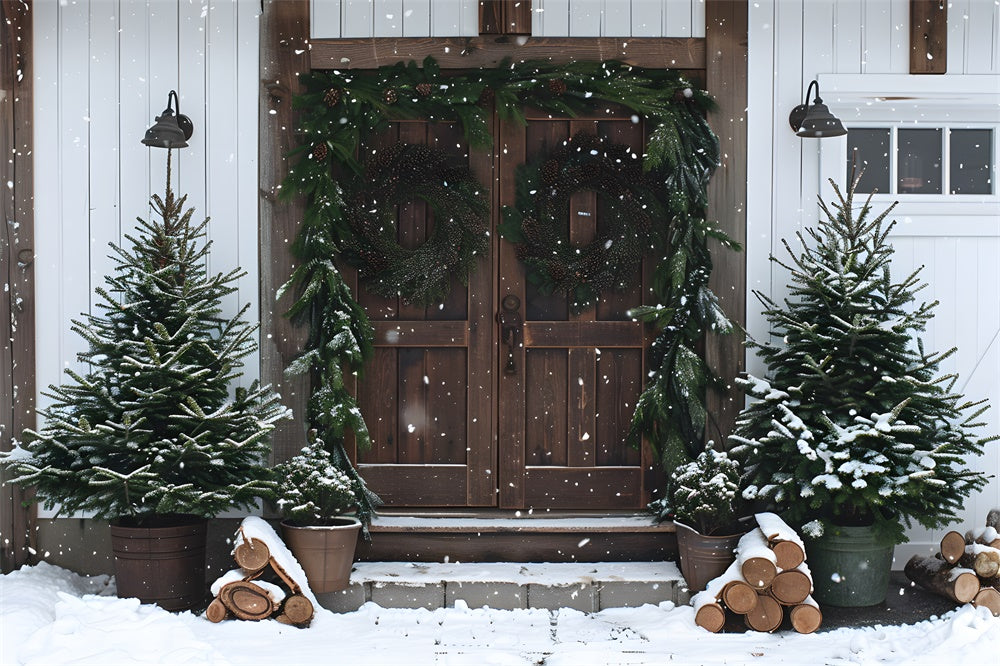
{"x":905,"y":101}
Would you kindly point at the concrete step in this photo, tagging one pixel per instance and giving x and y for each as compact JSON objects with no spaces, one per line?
{"x":589,"y":586}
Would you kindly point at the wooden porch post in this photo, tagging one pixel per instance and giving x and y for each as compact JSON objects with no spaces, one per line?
{"x":284,"y":54}
{"x":726,"y":74}
{"x":17,"y":306}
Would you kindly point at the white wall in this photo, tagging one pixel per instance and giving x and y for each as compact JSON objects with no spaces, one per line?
{"x":850,"y":44}
{"x":333,"y":19}
{"x":103,"y":69}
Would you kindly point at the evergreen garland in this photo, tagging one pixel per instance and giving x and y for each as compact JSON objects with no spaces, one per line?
{"x":149,"y":428}
{"x":400,"y":174}
{"x":854,"y":425}
{"x":340,"y":108}
{"x":538,"y":224}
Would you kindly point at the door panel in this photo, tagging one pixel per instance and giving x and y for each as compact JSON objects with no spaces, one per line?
{"x":565,"y":411}
{"x":427,"y":394}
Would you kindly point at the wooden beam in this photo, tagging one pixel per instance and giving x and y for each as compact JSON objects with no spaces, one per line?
{"x":726,"y":79}
{"x":283,"y":56}
{"x":476,"y":52}
{"x":928,"y":36}
{"x":17,"y":306}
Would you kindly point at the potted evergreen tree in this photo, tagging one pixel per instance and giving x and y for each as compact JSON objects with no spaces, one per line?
{"x":854,"y":433}
{"x":147,"y":434}
{"x":705,"y":501}
{"x":314,"y":493}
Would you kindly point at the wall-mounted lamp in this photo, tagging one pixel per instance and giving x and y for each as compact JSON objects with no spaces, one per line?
{"x":815,"y":120}
{"x":170,"y":131}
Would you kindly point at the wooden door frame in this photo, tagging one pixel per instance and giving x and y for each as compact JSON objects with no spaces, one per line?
{"x":17,"y":307}
{"x":286,"y":50}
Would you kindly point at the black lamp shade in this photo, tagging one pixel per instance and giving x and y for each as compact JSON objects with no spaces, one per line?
{"x":815,"y":120}
{"x":819,"y":122}
{"x":170,"y":131}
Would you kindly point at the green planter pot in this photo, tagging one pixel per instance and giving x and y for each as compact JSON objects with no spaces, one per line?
{"x":850,"y":567}
{"x":703,"y":558}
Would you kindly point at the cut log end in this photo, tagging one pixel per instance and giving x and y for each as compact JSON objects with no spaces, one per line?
{"x":711,"y":617}
{"x":988,"y":597}
{"x":805,"y":618}
{"x":986,"y":563}
{"x":952,"y":547}
{"x":766,"y":615}
{"x":216,"y":611}
{"x":993,"y":519}
{"x":739,"y":597}
{"x":246,"y":600}
{"x":252,"y":555}
{"x":298,"y":609}
{"x":789,"y":554}
{"x":791,"y":587}
{"x":758,"y":572}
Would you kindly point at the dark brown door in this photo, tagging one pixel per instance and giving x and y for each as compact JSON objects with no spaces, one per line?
{"x":428,"y":395}
{"x":451,"y":424}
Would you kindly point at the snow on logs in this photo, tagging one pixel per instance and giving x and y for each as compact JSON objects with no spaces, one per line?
{"x":241,"y":594}
{"x":758,"y":587}
{"x":967,"y":568}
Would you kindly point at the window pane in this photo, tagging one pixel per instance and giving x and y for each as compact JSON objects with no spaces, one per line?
{"x":919,"y":161}
{"x":972,"y":161}
{"x":869,"y":150}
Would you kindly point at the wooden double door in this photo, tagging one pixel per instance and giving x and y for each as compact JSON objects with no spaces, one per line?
{"x":458,"y":416}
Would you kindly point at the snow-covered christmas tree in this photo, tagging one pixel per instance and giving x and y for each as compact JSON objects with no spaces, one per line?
{"x":149,"y":427}
{"x":854,"y":424}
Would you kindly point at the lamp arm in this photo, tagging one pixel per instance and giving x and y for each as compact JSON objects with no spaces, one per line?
{"x":814,"y":82}
{"x":177,"y":101}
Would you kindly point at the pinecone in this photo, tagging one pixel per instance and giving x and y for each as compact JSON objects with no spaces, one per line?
{"x":590,"y":171}
{"x":390,"y":96}
{"x":557,"y":87}
{"x":486,"y":97}
{"x":424,"y":89}
{"x":332,"y":97}
{"x":549,"y":172}
{"x":319,"y":152}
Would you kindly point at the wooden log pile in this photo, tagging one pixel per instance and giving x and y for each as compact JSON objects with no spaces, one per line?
{"x":242,"y":594}
{"x":767,"y":583}
{"x":967,"y":568}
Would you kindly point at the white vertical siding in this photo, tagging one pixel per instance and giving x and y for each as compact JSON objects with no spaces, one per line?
{"x":792,"y":42}
{"x":103,"y":69}
{"x":333,"y":19}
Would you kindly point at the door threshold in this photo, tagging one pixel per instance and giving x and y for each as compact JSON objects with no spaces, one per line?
{"x":495,"y":536}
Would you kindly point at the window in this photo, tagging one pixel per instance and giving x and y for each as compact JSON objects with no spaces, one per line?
{"x":924,"y":160}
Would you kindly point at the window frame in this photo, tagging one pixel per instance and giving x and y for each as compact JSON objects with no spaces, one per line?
{"x":947,"y":129}
{"x":902,"y":101}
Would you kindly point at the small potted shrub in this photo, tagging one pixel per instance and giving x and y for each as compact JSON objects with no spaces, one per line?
{"x":313,"y":495}
{"x":146,"y":433}
{"x":705,"y":497}
{"x":853,"y":432}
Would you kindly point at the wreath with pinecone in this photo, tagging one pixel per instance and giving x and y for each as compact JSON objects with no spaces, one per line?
{"x":539,"y":228}
{"x":458,"y":234}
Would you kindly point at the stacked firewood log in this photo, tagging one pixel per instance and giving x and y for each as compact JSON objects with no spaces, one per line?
{"x":967,"y":568}
{"x":768,"y":580}
{"x":240,"y":593}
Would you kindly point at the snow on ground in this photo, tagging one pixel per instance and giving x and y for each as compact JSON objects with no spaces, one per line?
{"x":49,"y":615}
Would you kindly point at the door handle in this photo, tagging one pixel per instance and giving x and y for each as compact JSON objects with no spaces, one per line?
{"x":510,"y":321}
